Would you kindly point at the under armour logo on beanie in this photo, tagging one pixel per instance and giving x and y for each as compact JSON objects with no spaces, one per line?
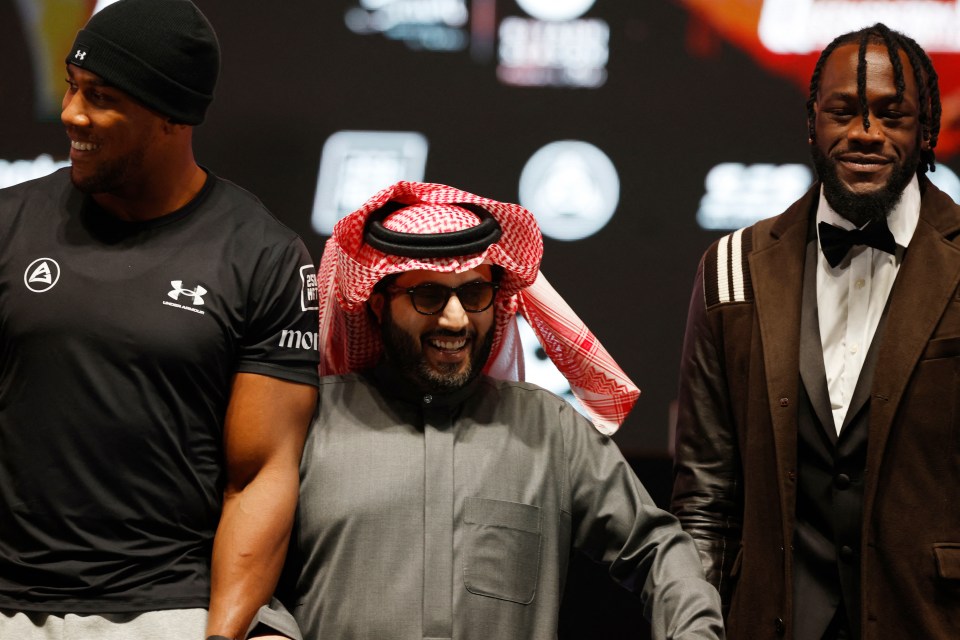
{"x":163,"y":53}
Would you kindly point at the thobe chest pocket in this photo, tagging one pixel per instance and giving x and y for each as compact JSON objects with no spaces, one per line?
{"x":501,"y":549}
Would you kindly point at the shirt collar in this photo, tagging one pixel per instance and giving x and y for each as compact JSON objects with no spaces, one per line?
{"x":902,"y":220}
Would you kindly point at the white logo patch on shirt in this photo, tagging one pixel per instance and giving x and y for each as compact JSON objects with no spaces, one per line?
{"x":296,"y":339}
{"x":194,"y":296}
{"x":41,"y":275}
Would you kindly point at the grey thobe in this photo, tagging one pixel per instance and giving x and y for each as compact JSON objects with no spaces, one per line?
{"x":426,"y":517}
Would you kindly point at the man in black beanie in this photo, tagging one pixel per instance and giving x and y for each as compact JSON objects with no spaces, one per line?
{"x":157,"y":358}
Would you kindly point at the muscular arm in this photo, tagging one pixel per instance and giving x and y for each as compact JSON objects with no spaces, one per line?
{"x":707,"y":475}
{"x":264,"y":432}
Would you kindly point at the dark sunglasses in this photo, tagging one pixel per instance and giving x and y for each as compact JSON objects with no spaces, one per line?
{"x":430,"y":299}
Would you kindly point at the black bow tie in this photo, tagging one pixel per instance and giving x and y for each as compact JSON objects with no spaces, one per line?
{"x":836,"y":242}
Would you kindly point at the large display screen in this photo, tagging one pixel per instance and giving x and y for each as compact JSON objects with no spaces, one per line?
{"x":636,"y":131}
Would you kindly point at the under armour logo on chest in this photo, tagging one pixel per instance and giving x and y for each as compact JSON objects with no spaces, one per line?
{"x":178,"y":290}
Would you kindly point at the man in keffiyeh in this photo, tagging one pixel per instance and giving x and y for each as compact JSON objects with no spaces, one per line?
{"x":439,"y":497}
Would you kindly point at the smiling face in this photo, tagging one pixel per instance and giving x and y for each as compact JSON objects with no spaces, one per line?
{"x":111,"y":135}
{"x":440,"y":352}
{"x":864,"y":170}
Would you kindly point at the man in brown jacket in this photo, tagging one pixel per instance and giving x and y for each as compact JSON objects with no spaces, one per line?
{"x":818,"y":444}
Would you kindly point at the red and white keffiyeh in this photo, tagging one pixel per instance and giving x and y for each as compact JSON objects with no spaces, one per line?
{"x":349,"y":269}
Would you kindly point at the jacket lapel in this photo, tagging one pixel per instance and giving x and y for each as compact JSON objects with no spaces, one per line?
{"x":776,"y":268}
{"x":927,"y":280}
{"x":812,"y":370}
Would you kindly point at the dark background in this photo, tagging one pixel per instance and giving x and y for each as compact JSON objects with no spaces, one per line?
{"x":293,"y":75}
{"x":680,"y":98}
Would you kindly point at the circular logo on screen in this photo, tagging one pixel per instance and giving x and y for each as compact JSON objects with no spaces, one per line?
{"x":572,"y":189}
{"x":41,"y":275}
{"x":555,"y":9}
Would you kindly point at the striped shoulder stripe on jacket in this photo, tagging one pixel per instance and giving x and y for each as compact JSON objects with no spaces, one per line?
{"x":726,"y":272}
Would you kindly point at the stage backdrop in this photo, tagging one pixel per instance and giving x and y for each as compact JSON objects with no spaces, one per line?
{"x":638,"y":131}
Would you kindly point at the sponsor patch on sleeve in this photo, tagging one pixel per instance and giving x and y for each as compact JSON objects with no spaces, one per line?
{"x":308,"y":288}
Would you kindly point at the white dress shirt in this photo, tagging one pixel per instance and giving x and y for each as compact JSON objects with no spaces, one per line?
{"x":852,"y":295}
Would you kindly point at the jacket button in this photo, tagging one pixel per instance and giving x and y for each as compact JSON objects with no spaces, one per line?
{"x":779,"y":626}
{"x":841,"y":481}
{"x":784,"y":402}
{"x":846,"y":553}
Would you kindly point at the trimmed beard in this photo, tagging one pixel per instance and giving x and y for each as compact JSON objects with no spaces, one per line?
{"x":860,"y":208}
{"x":111,"y":176}
{"x":405,"y":352}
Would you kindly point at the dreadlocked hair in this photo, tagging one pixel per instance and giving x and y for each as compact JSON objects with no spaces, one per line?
{"x":927,"y":84}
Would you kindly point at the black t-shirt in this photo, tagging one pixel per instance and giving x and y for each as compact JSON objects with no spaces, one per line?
{"x":118,"y":344}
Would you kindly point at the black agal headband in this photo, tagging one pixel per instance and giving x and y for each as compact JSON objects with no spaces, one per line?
{"x":431,"y":245}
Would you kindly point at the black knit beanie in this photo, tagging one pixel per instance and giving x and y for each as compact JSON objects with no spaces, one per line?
{"x":164,"y":53}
